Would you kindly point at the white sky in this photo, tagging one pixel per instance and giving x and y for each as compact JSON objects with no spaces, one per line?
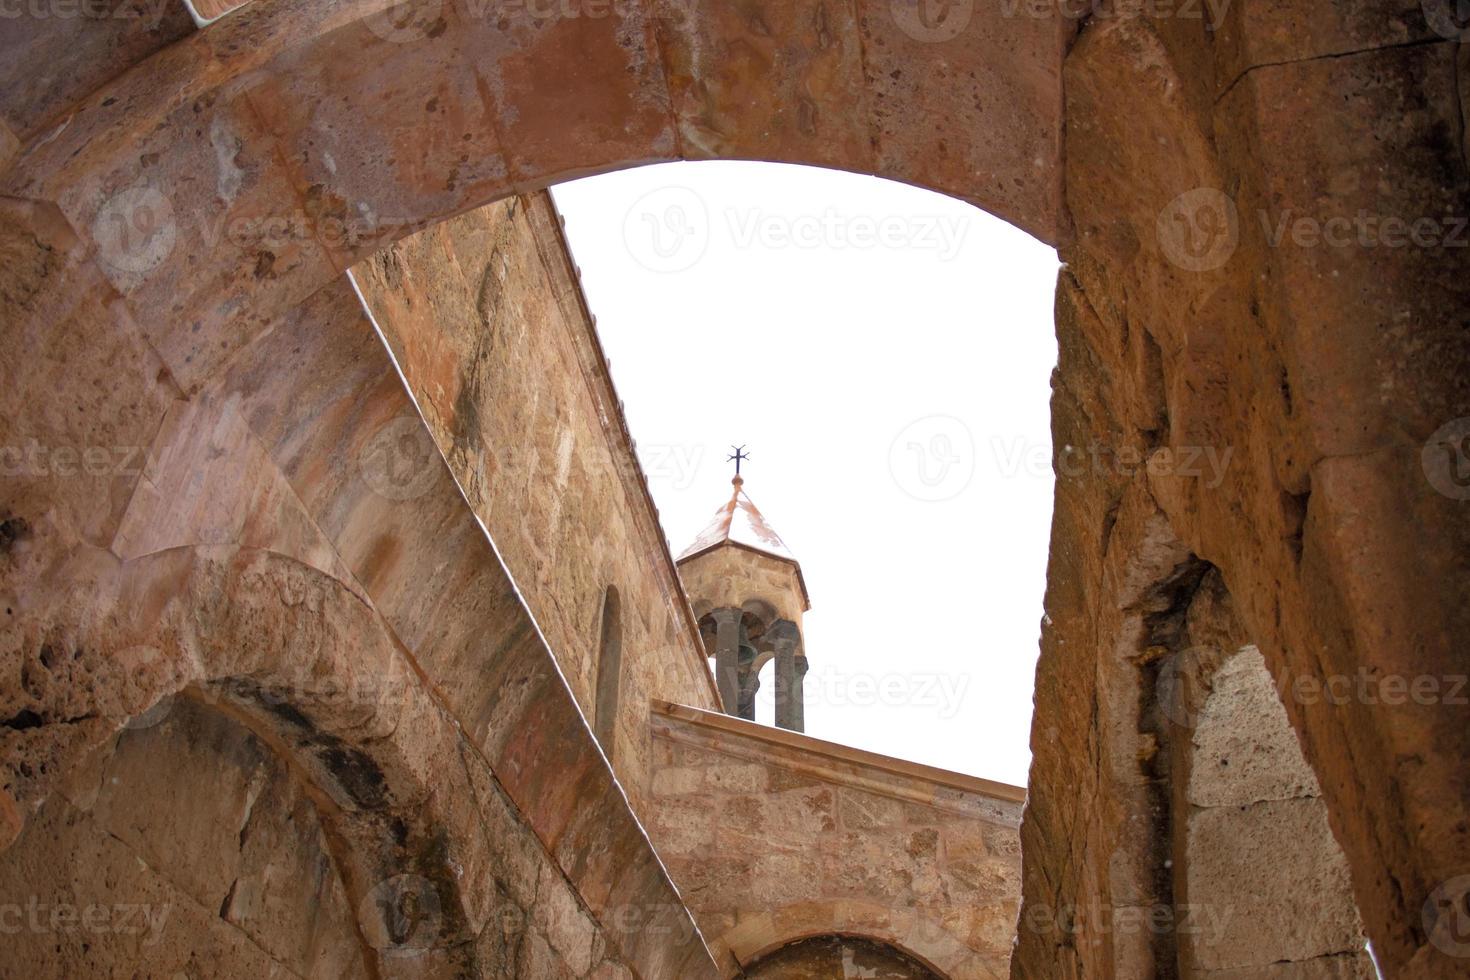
{"x":885,"y":354}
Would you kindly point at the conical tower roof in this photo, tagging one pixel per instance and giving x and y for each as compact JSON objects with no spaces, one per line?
{"x":739,"y":522}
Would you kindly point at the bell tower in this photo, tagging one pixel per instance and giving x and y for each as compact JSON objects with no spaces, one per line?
{"x":749,"y":595}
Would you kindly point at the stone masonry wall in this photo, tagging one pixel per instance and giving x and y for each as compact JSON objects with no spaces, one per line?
{"x":487,"y":321}
{"x":188,"y":847}
{"x":1251,"y":841}
{"x":1236,"y":391}
{"x":732,"y":577}
{"x":205,"y":853}
{"x":773,"y":836}
{"x":267,"y":540}
{"x":1191,"y":314}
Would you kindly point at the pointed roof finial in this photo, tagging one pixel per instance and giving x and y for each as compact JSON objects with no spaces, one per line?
{"x":738,"y":457}
{"x":738,"y":523}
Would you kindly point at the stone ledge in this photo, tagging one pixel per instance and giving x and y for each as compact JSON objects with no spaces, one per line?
{"x":827,"y":759}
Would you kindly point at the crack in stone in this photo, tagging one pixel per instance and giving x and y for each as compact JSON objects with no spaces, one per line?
{"x":1329,"y":56}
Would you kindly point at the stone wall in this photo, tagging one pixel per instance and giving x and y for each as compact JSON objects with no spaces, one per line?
{"x":1263,"y":882}
{"x":488,"y":323}
{"x":773,"y":837}
{"x":1223,"y":864}
{"x":732,"y":577}
{"x":217,"y":861}
{"x":1236,"y":392}
{"x":824,"y":957}
{"x":187,"y":846}
{"x":260,"y":546}
{"x":222,"y":338}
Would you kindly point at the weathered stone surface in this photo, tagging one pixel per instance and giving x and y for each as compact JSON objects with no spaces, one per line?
{"x":71,"y":466}
{"x":1255,"y":862}
{"x":212,"y":856}
{"x":773,"y":836}
{"x":191,"y":603}
{"x":730,"y":577}
{"x":815,"y":959}
{"x":1269,"y":870}
{"x":1316,"y":374}
{"x":56,"y":55}
{"x":1244,"y":750}
{"x":475,"y":311}
{"x":179,"y":204}
{"x":1346,"y":967}
{"x":1257,"y":33}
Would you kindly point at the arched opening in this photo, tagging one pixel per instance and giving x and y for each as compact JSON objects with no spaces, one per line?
{"x":185,"y":843}
{"x":1228,"y":863}
{"x":839,"y":956}
{"x":370,"y":777}
{"x":1250,"y":830}
{"x":908,"y":483}
{"x":765,"y":694}
{"x":1322,"y":530}
{"x":609,"y":670}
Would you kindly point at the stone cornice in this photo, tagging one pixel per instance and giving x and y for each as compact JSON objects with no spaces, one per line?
{"x":840,"y":764}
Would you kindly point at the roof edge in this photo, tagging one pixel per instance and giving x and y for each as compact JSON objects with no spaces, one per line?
{"x":963,"y":782}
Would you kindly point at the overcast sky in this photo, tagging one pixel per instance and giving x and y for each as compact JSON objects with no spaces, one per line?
{"x":885,"y":354}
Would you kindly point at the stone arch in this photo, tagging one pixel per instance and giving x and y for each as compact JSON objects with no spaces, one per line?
{"x":847,"y":956}
{"x":609,"y":670}
{"x":1195,"y":880}
{"x":408,"y":123}
{"x":318,"y":683}
{"x":915,"y":935}
{"x":227,"y":102}
{"x":760,"y":617}
{"x":308,"y":482}
{"x":187,"y":843}
{"x":762,"y":609}
{"x":751,"y":649}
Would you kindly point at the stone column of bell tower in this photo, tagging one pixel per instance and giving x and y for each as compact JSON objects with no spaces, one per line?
{"x":727,"y":654}
{"x":748,"y":592}
{"x":790,"y":677}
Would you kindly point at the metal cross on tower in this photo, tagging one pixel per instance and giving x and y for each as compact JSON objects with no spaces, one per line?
{"x":738,"y":457}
